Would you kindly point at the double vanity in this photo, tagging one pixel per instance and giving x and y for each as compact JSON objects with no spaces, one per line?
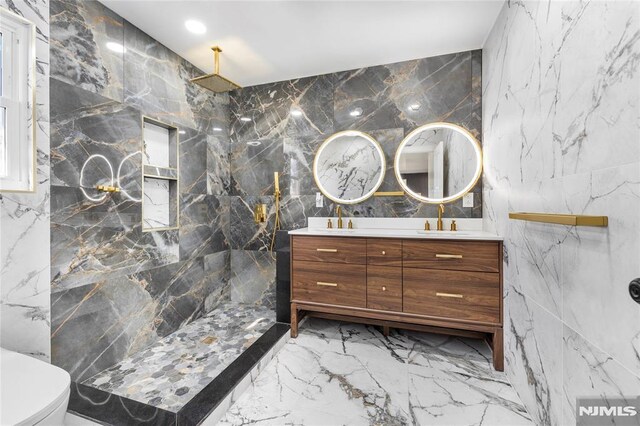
{"x":437,"y":281}
{"x":403,"y":272}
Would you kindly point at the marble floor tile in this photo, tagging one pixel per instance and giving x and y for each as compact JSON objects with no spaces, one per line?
{"x":347,"y":374}
{"x":170,"y":372}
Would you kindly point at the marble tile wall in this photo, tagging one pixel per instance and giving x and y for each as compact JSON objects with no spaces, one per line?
{"x":25,"y":316}
{"x":115,"y":288}
{"x":561,"y":135}
{"x":447,"y":87}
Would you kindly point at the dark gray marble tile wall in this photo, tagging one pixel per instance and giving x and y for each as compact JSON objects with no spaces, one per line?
{"x":447,"y":87}
{"x":116,"y":289}
{"x":120,"y":288}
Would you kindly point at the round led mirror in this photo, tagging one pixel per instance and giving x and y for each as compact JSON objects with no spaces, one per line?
{"x":438,"y":163}
{"x":349,"y":167}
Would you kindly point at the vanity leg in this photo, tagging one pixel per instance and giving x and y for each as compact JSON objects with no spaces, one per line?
{"x":294,"y":320}
{"x":385,"y":330}
{"x":497,"y":345}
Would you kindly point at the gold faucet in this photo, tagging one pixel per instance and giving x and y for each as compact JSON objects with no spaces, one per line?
{"x":339,"y":212}
{"x":440,"y":212}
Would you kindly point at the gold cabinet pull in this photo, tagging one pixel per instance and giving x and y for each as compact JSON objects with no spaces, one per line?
{"x":328,"y":250}
{"x":449,"y":256}
{"x":384,"y":288}
{"x":384,"y":252}
{"x":327,"y":284}
{"x":454,"y":295}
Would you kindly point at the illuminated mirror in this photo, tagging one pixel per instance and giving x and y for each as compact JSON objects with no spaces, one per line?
{"x":438,"y":163}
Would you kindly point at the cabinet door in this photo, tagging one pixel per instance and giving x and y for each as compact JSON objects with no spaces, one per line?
{"x":384,"y":252}
{"x":459,"y":295}
{"x":384,"y":288}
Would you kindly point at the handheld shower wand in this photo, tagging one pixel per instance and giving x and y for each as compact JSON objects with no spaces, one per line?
{"x":276,"y":225}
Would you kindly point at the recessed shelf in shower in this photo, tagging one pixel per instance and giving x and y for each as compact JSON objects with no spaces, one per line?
{"x":160,"y":176}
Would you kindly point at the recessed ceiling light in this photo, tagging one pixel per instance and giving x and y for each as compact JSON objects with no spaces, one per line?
{"x":414,"y":107}
{"x":245,"y":119}
{"x":116,"y":47}
{"x":296,"y":112}
{"x":357,"y":112}
{"x":217,"y":129}
{"x":254,"y":143}
{"x":195,"y":27}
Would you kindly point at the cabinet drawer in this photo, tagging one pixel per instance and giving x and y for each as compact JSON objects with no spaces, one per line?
{"x":384,"y":252}
{"x":336,"y":285}
{"x":384,"y":288}
{"x":330,"y":249}
{"x":452,"y":255}
{"x":471,"y":296}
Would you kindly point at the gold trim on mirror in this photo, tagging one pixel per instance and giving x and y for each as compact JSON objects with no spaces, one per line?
{"x":478,"y":173}
{"x":383,"y":160}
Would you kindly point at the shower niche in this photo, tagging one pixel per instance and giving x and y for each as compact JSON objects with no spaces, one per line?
{"x":160,"y":178}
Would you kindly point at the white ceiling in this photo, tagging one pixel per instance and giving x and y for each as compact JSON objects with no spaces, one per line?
{"x":267,"y":41}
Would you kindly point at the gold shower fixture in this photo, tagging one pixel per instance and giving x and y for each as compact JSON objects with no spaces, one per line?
{"x":276,"y":225}
{"x":107,"y":188}
{"x":215,"y":82}
{"x":260,"y":213}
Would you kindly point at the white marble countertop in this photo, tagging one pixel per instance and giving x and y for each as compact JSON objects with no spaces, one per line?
{"x":468,"y":229}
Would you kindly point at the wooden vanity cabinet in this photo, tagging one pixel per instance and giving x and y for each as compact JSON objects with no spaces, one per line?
{"x":441,"y":286}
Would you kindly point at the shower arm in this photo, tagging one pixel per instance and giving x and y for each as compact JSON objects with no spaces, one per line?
{"x":216,"y":59}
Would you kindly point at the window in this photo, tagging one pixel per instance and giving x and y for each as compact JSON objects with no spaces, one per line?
{"x":17,"y":82}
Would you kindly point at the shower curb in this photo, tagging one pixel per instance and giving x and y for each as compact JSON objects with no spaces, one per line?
{"x":207,"y":407}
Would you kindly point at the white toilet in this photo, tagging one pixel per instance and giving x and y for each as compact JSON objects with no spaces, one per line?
{"x":32,"y":391}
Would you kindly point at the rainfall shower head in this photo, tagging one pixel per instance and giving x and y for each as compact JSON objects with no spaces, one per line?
{"x":215,"y":82}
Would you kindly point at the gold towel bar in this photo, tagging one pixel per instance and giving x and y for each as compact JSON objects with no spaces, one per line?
{"x":561,"y":219}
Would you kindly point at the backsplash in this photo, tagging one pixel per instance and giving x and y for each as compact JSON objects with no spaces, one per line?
{"x":560,"y":136}
{"x":117,"y":289}
{"x":447,"y":87}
